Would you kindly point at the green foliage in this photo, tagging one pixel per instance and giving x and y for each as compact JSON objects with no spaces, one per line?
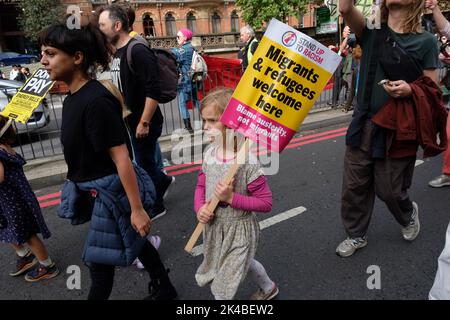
{"x":256,"y":12}
{"x":38,"y":14}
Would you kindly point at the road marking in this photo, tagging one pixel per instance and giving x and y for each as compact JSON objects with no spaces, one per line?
{"x":194,"y":166}
{"x":312,"y":137}
{"x":418,"y":163}
{"x":49,"y":203}
{"x":198,"y":250}
{"x":49,"y":196}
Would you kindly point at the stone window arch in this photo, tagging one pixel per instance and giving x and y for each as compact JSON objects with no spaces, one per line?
{"x":191,"y":22}
{"x":171,"y":27}
{"x":148,"y":26}
{"x":234,"y":21}
{"x":215,"y":21}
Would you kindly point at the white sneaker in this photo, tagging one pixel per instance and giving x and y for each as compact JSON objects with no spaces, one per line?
{"x":441,"y":181}
{"x":261,"y":295}
{"x":411,"y":231}
{"x":348,"y":247}
{"x":155,"y":241}
{"x":138,"y":264}
{"x":167,"y":189}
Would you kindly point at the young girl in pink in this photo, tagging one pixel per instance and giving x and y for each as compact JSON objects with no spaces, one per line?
{"x":231,"y":233}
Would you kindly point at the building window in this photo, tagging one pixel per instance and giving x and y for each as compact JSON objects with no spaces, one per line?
{"x":215,"y":23}
{"x":191,"y":22}
{"x":149,"y":26}
{"x":234,"y":22}
{"x":171,"y":28}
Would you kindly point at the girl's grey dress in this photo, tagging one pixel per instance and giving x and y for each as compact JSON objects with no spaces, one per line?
{"x":231,"y":238}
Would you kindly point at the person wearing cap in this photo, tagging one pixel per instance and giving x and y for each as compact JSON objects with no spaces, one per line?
{"x":187,"y":90}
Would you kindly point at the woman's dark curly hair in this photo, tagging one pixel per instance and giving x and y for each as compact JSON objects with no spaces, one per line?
{"x":88,"y":39}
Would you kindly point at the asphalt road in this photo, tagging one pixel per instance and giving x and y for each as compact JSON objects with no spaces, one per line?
{"x":298,"y":252}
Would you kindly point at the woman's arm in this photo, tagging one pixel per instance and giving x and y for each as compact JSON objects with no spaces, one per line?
{"x":139,"y":218}
{"x":352,"y":16}
{"x":442,"y":23}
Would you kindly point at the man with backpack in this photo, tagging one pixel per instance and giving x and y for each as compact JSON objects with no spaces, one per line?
{"x":131,"y":17}
{"x":139,"y":85}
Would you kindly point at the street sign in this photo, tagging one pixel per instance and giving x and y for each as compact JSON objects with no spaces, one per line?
{"x":327,"y":27}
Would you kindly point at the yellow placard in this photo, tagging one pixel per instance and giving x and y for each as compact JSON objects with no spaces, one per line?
{"x":284,"y":78}
{"x":29,"y":96}
{"x":282,"y":91}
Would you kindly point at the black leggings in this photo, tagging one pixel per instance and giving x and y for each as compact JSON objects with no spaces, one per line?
{"x":102,"y":275}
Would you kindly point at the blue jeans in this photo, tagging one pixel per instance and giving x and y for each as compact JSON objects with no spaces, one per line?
{"x":145,"y":155}
{"x":185,"y":95}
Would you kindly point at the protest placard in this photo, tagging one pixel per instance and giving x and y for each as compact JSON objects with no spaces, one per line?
{"x":29,"y":96}
{"x":286,"y":75}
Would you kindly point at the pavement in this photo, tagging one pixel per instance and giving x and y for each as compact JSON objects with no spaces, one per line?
{"x":49,"y":171}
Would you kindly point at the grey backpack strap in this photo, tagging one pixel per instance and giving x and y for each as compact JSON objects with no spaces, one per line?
{"x":129,"y":57}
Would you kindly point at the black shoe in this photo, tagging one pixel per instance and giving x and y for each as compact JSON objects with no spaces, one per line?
{"x":161,"y":291}
{"x":187,"y":125}
{"x":157,"y":212}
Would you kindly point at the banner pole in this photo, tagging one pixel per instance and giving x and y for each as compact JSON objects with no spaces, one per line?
{"x":240,"y":159}
{"x":7,"y":125}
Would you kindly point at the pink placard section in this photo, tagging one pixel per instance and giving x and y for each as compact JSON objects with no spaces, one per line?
{"x":256,"y":126}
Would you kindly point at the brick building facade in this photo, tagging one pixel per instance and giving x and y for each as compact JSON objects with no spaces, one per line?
{"x":163,"y":18}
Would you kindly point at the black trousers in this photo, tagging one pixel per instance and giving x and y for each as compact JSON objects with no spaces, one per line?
{"x":366,"y":177}
{"x":102,"y":275}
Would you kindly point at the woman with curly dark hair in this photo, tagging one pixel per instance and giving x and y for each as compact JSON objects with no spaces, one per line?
{"x":98,"y":155}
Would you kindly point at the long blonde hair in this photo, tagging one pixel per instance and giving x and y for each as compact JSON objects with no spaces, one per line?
{"x":116,"y":93}
{"x":219,"y":98}
{"x":413,"y":21}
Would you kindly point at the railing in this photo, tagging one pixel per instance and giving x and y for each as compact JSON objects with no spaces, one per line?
{"x":225,"y":41}
{"x":44,"y":142}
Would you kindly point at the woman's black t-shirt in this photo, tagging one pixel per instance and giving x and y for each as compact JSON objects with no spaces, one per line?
{"x":91,"y":125}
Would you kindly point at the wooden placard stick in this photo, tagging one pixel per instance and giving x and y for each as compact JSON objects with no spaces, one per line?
{"x":240,"y":159}
{"x":7,"y":125}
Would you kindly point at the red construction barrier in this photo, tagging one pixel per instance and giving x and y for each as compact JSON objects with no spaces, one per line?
{"x":226,"y":72}
{"x":222,"y":72}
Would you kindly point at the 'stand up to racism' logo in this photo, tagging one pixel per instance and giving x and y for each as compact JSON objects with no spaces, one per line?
{"x":289,"y":38}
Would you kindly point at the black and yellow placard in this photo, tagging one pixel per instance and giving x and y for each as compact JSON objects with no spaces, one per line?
{"x":29,"y":96}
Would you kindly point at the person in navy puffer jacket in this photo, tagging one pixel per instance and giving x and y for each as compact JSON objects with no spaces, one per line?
{"x":115,"y":195}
